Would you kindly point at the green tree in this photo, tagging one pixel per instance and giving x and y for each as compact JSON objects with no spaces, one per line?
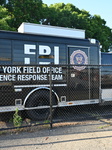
{"x":59,"y":14}
{"x":100,"y":31}
{"x":70,"y":16}
{"x":2,"y":2}
{"x":5,"y":19}
{"x":25,"y":11}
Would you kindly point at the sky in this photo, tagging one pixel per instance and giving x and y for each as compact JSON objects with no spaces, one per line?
{"x":94,"y":7}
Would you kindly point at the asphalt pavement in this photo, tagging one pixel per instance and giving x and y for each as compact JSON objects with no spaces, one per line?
{"x":88,"y":135}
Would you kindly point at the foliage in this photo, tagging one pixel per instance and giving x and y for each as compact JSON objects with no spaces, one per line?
{"x":58,"y":14}
{"x":2,"y":2}
{"x":25,"y":11}
{"x":5,"y":19}
{"x":100,"y":31}
{"x":70,"y":16}
{"x":17,"y":120}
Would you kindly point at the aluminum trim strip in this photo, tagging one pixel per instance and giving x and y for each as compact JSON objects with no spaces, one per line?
{"x":39,"y":85}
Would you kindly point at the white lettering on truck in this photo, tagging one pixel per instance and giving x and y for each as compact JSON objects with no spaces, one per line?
{"x":43,"y":50}
{"x":27,"y":49}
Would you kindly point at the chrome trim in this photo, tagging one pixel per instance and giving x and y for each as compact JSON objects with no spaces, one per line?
{"x":78,"y":102}
{"x":46,"y":88}
{"x":38,"y":85}
{"x":11,"y":108}
{"x":40,"y":107}
{"x":60,"y":104}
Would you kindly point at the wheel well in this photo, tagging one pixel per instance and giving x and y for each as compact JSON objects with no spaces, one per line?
{"x":40,"y":89}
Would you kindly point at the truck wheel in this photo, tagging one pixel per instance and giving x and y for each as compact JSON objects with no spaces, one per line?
{"x":39,"y":98}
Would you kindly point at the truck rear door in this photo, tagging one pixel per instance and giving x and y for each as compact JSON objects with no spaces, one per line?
{"x":83,"y":80}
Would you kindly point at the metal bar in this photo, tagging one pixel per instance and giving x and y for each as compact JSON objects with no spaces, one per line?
{"x":50,"y":81}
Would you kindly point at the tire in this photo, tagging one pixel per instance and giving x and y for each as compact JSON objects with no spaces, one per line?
{"x":39,"y":98}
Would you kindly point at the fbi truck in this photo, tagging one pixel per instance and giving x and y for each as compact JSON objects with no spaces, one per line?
{"x":40,"y":60}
